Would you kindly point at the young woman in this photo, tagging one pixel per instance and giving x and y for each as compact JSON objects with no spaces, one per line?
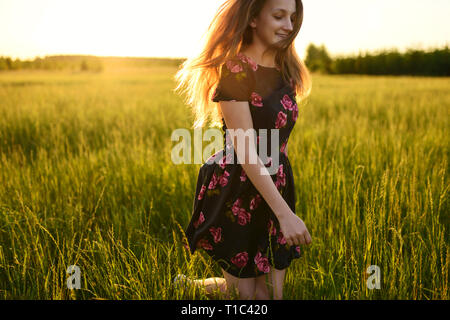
{"x":248,"y":75}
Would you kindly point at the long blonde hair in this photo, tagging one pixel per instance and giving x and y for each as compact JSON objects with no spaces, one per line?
{"x":227,"y":34}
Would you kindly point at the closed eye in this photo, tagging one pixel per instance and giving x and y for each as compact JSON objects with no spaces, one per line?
{"x":279,"y":18}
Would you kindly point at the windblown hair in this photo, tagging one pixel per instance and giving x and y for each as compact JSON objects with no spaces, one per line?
{"x":227,"y":34}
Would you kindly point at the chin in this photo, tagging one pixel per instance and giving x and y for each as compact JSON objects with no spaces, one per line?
{"x":278,"y":41}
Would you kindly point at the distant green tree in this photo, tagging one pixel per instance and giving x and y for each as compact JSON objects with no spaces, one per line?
{"x":3,"y":65}
{"x":412,"y":62}
{"x":9,"y":63}
{"x":318,"y":59}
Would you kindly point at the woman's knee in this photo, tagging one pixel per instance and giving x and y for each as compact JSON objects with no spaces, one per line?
{"x":244,"y":287}
{"x":262,"y":290}
{"x":262,"y":295}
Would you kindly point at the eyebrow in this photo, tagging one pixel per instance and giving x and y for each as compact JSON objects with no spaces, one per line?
{"x":281,"y":9}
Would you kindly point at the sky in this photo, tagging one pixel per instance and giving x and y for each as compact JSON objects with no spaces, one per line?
{"x":173,"y":28}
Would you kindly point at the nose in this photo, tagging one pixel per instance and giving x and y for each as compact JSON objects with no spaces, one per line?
{"x":288,"y":25}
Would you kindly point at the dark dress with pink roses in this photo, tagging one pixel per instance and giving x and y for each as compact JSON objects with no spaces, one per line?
{"x":230,"y":220}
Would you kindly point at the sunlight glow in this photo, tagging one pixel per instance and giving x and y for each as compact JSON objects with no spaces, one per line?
{"x":173,"y":28}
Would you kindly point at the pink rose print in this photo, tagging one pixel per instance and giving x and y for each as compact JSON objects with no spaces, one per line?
{"x":223,"y":180}
{"x":216,"y":233}
{"x":256,"y":100}
{"x":233,"y":66}
{"x":243,"y":175}
{"x":281,"y":120}
{"x":281,"y":177}
{"x":225,"y":160}
{"x":298,"y":249}
{"x":246,"y":59}
{"x":252,"y":64}
{"x":243,"y":217}
{"x":222,"y":162}
{"x":281,"y":239}
{"x":200,"y":220}
{"x":255,"y":202}
{"x":236,"y":206}
{"x":242,"y":57}
{"x":203,"y":243}
{"x":287,"y":102}
{"x":283,"y":148}
{"x":213,"y":183}
{"x":272,"y":229}
{"x":295,"y":113}
{"x":262,"y":263}
{"x":216,"y":155}
{"x":240,"y":260}
{"x":202,"y":192}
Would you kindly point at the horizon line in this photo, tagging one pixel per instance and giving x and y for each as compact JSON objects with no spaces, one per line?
{"x":333,"y":55}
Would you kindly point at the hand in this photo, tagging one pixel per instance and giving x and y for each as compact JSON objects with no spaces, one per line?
{"x":294,"y":230}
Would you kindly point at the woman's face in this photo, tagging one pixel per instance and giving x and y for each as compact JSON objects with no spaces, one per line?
{"x":275,"y":21}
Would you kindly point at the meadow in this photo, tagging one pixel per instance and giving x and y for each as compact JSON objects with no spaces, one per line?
{"x":86,"y":179}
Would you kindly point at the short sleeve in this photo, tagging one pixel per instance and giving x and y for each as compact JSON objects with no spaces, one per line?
{"x":234,"y":83}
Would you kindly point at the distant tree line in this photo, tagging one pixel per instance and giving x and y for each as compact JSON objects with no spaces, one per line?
{"x":387,"y":62}
{"x":59,"y":62}
{"x":83,"y":63}
{"x":412,"y":62}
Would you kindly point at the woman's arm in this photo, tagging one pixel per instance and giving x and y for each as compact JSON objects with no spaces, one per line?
{"x":237,"y":116}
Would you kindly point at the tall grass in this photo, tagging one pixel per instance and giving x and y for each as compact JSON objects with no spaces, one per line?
{"x":86,"y":179}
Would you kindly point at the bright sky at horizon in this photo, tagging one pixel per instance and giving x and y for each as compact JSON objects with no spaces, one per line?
{"x":173,"y":28}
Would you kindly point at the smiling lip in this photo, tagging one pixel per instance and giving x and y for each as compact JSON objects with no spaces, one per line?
{"x":282,"y":35}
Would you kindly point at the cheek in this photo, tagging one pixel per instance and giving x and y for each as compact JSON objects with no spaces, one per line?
{"x":275,"y":26}
{"x":271,"y":26}
{"x":268,"y":27}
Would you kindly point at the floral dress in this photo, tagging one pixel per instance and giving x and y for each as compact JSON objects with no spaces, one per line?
{"x":231,"y":221}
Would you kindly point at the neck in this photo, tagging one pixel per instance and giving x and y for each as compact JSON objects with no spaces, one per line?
{"x":255,"y":52}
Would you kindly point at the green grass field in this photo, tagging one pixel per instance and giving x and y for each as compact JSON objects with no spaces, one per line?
{"x":86,"y":179}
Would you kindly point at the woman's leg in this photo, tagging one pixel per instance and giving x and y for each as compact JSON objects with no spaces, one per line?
{"x":211,"y":285}
{"x":274,"y":283}
{"x":262,"y":291}
{"x":245,"y":286}
{"x":276,"y":279}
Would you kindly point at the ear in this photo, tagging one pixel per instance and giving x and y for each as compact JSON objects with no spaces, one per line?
{"x":253,"y":23}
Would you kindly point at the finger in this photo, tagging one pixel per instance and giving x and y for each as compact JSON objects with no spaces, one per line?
{"x":294,"y":241}
{"x":289,"y":242}
{"x":301,"y":239}
{"x":308,"y":239}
